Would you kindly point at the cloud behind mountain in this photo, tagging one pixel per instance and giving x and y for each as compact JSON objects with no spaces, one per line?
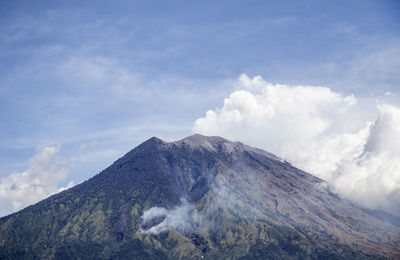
{"x":331,"y":135}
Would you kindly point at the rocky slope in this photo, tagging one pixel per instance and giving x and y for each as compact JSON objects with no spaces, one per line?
{"x":197,"y":198}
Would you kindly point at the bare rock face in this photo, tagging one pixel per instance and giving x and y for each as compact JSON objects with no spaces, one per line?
{"x":200,"y":197}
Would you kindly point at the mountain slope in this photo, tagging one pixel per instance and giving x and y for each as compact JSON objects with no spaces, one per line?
{"x":200,"y":197}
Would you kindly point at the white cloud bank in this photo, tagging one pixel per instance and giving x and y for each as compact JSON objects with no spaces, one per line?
{"x":46,"y":170}
{"x":320,"y":131}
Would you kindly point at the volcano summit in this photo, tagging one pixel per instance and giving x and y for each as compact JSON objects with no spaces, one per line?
{"x":197,"y":198}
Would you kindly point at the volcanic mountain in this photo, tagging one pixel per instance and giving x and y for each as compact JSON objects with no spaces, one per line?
{"x":197,"y":198}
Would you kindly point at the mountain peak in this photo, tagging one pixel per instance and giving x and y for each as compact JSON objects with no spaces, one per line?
{"x":218,"y":144}
{"x":153,"y":141}
{"x":198,"y":138}
{"x":211,"y":143}
{"x":210,"y":198}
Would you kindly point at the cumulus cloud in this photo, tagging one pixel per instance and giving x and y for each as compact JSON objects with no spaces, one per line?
{"x":158,"y":219}
{"x":46,"y":170}
{"x":373,"y":178}
{"x":319,"y":130}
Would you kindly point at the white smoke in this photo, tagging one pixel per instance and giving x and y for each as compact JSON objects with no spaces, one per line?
{"x":178,"y":218}
{"x":46,"y":170}
{"x":320,"y":131}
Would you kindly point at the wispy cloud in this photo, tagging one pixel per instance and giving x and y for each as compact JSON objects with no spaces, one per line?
{"x":178,"y":218}
{"x":46,"y":171}
{"x":71,"y":74}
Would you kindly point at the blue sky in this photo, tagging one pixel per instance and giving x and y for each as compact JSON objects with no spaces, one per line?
{"x":97,"y":78}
